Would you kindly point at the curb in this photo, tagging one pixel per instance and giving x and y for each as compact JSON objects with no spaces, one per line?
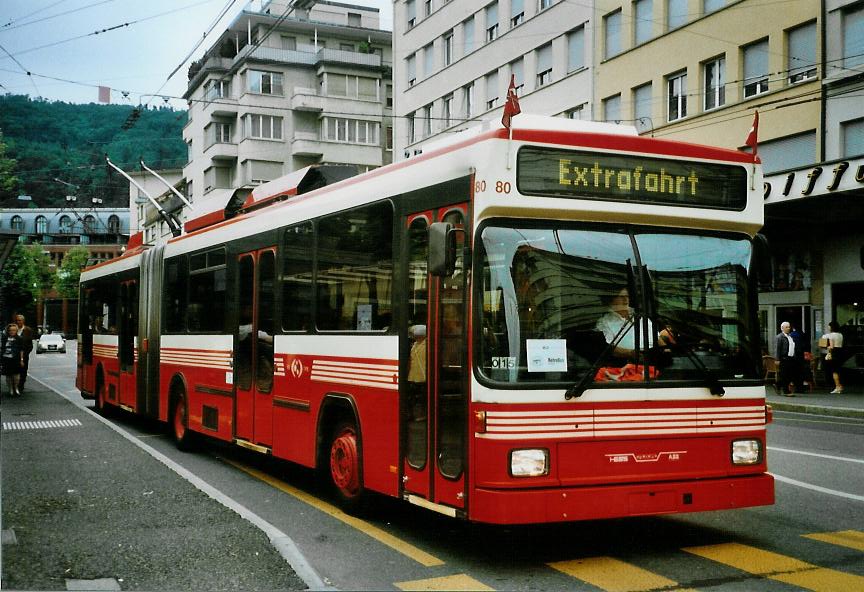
{"x":817,"y":409}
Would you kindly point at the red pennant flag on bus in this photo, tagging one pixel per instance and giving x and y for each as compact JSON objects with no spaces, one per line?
{"x":753,"y":136}
{"x":511,"y":105}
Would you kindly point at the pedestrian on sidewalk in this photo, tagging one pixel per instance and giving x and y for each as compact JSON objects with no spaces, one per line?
{"x":11,"y":357}
{"x":789,"y":371}
{"x":25,"y":334}
{"x":834,"y":356}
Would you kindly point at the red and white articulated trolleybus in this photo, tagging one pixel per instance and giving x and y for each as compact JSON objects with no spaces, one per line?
{"x":554,"y":326}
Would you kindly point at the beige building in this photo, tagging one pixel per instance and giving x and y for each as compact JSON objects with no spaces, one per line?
{"x":283,"y":88}
{"x":453,"y":61}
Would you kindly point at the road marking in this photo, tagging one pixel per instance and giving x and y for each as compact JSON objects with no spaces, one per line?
{"x":457,"y":582}
{"x":779,"y":567}
{"x":816,"y":454}
{"x":397,"y":544}
{"x":41,"y":424}
{"x":852,"y":496}
{"x":849,"y":422}
{"x":283,"y":544}
{"x":854,"y":539}
{"x":613,"y":575}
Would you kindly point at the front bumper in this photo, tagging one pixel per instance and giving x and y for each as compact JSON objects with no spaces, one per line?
{"x":616,"y":501}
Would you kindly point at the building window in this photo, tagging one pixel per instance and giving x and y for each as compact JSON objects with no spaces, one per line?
{"x":643,"y":20}
{"x":89,"y":224}
{"x":355,"y":19}
{"x":544,"y":65}
{"x":642,"y":101}
{"x":544,"y":4}
{"x":492,"y":22}
{"x":787,"y":153}
{"x":221,"y":133}
{"x":114,"y":224}
{"x":388,"y":138}
{"x":448,"y":48}
{"x":715,"y":83}
{"x":66,"y":224}
{"x":265,"y":83}
{"x":576,"y":49}
{"x":389,"y":92}
{"x":801,"y":44}
{"x":492,"y":90}
{"x":756,"y":68}
{"x":428,"y":60}
{"x":712,"y":5}
{"x":517,"y":12}
{"x":677,"y":94}
{"x":350,"y":131}
{"x":676,"y":13}
{"x":411,"y":69}
{"x":263,"y":127}
{"x":17,"y":223}
{"x":410,"y":121}
{"x":218,"y":178}
{"x":517,"y":70}
{"x":289,"y":43}
{"x":346,"y":47}
{"x":41,"y":225}
{"x":218,"y":89}
{"x":427,"y":8}
{"x":447,"y":111}
{"x":468,"y":93}
{"x":427,"y":121}
{"x":612,"y":109}
{"x":853,"y":36}
{"x":612,"y":30}
{"x":411,"y":13}
{"x":853,"y":137}
{"x":578,"y":112}
{"x":468,"y":35}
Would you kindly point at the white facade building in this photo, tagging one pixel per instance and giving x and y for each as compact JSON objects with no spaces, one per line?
{"x":452,"y":63}
{"x":282,"y":89}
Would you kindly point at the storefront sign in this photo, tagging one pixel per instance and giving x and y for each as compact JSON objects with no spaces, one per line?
{"x":826,"y":178}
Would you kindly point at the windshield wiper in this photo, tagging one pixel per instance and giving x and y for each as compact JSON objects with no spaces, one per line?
{"x":579,"y":388}
{"x":711,"y":380}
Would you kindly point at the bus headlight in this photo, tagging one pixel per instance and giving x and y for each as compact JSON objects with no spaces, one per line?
{"x":529,"y":462}
{"x":746,"y":452}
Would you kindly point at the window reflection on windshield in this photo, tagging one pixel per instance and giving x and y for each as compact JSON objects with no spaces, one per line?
{"x":555,"y":299}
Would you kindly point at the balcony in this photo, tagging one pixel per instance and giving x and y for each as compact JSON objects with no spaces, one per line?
{"x":307,"y":144}
{"x":308,"y":58}
{"x":221,"y":151}
{"x":307,"y":99}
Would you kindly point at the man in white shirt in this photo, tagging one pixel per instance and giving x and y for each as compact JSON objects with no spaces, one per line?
{"x":619,"y":314}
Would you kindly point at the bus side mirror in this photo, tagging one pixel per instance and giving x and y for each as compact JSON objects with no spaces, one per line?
{"x":442,"y":249}
{"x":762,"y":256}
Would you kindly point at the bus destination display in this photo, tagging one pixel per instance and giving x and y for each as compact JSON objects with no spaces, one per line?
{"x":624,"y":177}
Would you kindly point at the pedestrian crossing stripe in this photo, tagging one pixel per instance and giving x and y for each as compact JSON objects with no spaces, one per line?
{"x":614,"y":575}
{"x":454,"y":582}
{"x":779,"y":567}
{"x":854,"y":539}
{"x":40,"y":425}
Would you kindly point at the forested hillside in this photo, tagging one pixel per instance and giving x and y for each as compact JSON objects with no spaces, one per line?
{"x":53,"y":140}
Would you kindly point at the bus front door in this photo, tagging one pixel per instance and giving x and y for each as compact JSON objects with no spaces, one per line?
{"x":128,"y":332}
{"x":434,"y":409}
{"x":253,"y":347}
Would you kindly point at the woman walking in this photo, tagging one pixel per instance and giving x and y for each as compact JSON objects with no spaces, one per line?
{"x":11,"y":357}
{"x":834,"y":356}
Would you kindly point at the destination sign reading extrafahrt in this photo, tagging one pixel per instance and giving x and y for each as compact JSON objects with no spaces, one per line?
{"x":624,"y":177}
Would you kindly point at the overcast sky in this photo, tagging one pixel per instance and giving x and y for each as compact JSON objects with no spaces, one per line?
{"x":54,"y":41}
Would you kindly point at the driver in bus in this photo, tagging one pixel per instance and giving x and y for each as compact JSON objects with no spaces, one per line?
{"x":617,"y":316}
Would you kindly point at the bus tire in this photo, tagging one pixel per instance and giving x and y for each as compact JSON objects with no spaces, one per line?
{"x":180,"y":431}
{"x":345,"y":466}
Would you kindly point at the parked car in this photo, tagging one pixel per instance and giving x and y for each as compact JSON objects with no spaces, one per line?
{"x":51,"y":342}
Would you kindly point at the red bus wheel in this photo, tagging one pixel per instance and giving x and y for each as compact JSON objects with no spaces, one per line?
{"x":179,"y":423}
{"x":345,"y":465}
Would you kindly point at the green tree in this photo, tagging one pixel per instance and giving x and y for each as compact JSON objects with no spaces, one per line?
{"x":70,"y":271}
{"x":19,"y":283}
{"x":8,"y":180}
{"x":41,"y":262}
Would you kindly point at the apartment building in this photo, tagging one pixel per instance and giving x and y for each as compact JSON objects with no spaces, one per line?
{"x":287,"y":85}
{"x":453,"y":61}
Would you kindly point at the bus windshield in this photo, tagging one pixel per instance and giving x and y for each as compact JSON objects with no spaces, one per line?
{"x":626,"y":303}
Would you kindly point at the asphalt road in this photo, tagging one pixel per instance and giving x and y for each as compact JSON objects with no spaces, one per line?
{"x":811,"y":539}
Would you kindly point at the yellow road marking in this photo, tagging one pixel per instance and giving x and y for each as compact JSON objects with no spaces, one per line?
{"x":779,"y":567}
{"x":613,"y":574}
{"x":457,"y":582}
{"x":407,"y":549}
{"x":854,"y":539}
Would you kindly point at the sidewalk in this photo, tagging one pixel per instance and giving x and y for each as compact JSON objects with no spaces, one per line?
{"x":821,"y":401}
{"x":83,"y":508}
